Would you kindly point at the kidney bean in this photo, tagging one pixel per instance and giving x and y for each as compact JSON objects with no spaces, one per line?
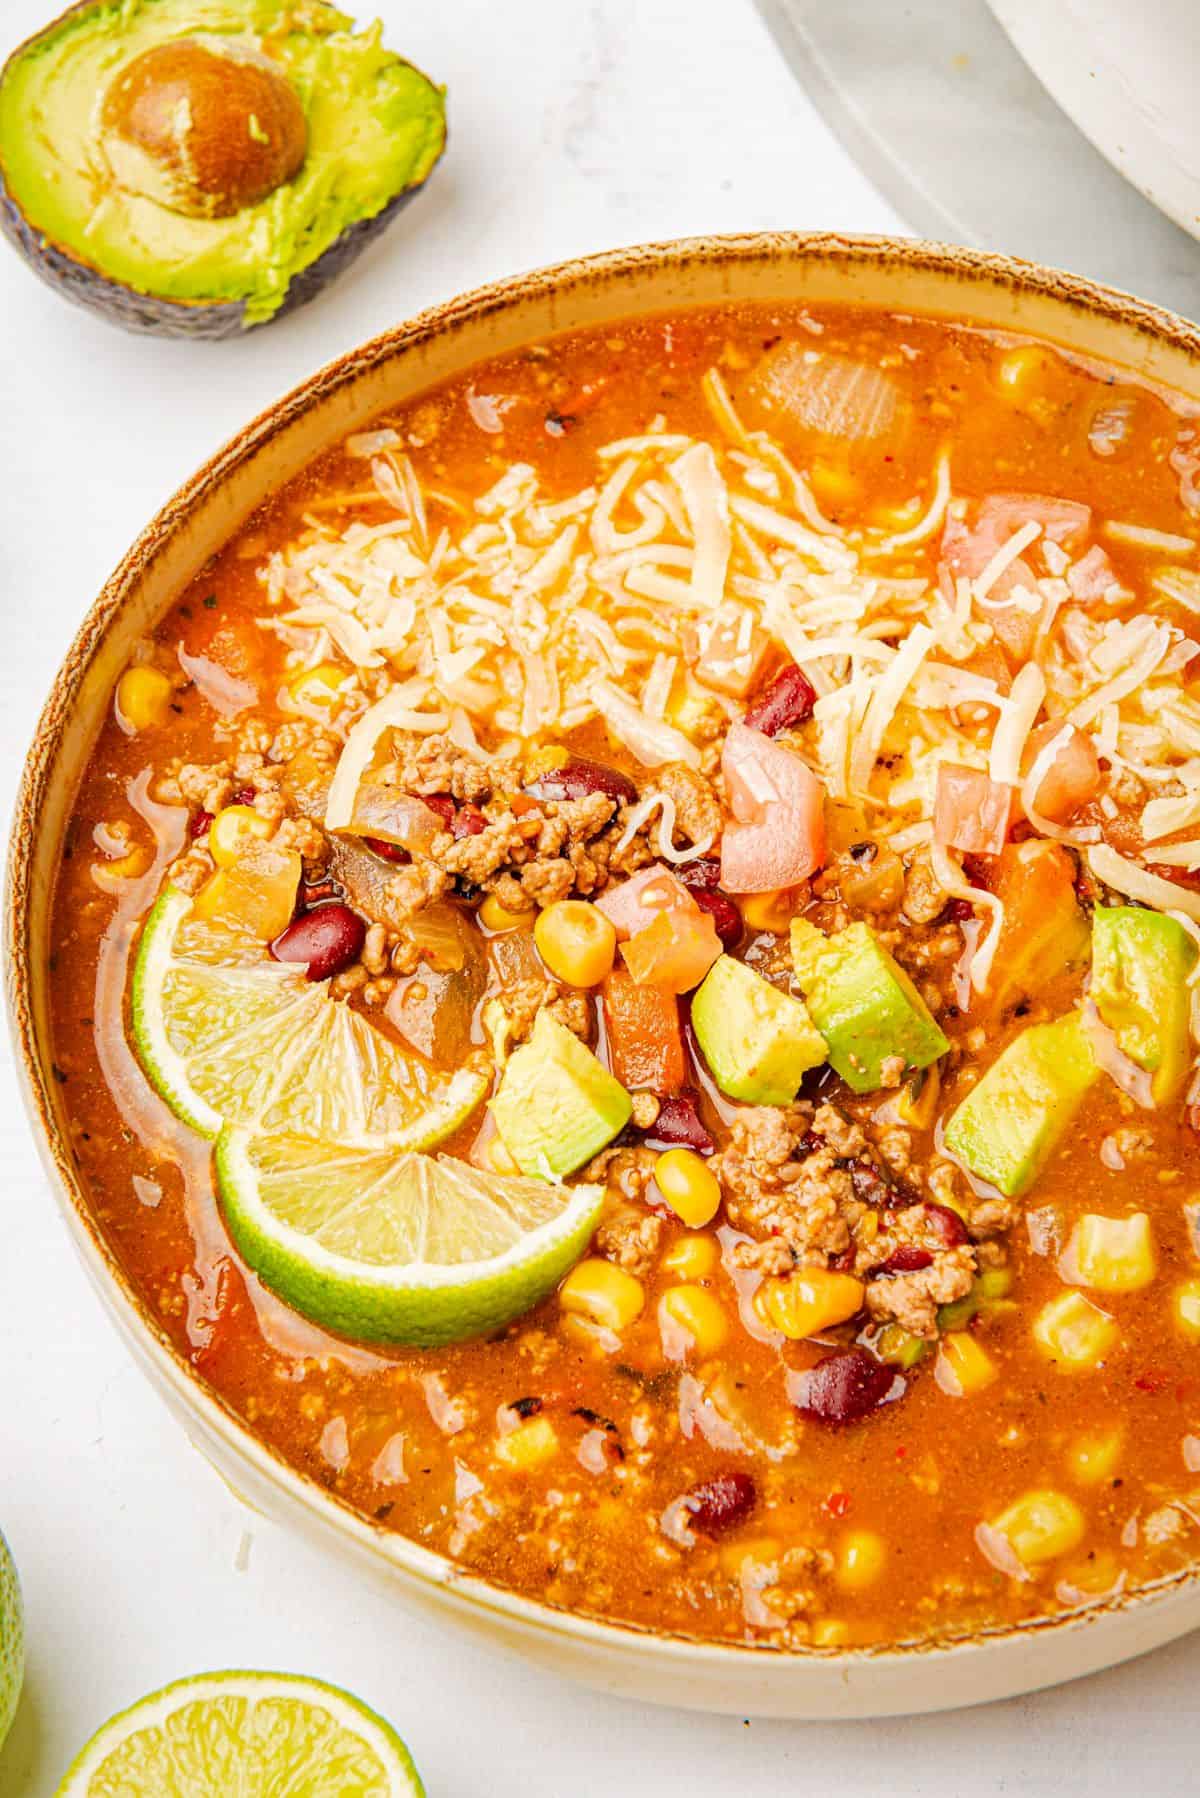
{"x":468,"y":821}
{"x":578,"y":777}
{"x":200,"y":825}
{"x":956,"y":911}
{"x":328,"y":939}
{"x":842,"y":1387}
{"x":442,"y":805}
{"x":787,"y":701}
{"x":907,"y":1259}
{"x":721,"y":1503}
{"x":679,"y":1124}
{"x":390,"y":852}
{"x":243,"y":796}
{"x":704,"y":872}
{"x":946,"y":1225}
{"x":870,"y":1185}
{"x":727,"y":919}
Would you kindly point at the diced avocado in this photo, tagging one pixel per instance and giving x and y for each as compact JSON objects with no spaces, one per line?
{"x":758,"y":1042}
{"x":1141,"y":961}
{"x":557,"y":1105}
{"x":1007,"y":1127}
{"x":863,"y":1003}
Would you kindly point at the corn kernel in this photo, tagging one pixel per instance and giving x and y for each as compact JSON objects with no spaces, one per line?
{"x":689,"y":1186}
{"x":830,"y":1632}
{"x":859,"y":1560}
{"x":494,"y":916}
{"x":318,"y":688}
{"x":546,"y":761}
{"x":918,"y":1102}
{"x":1112,"y":1254}
{"x":963,"y":1365}
{"x":1094,"y":1577}
{"x":108,"y":876}
{"x":604,"y":1292}
{"x":1092,"y":1458}
{"x":761,"y":1549}
{"x":692,"y":1257}
{"x":1041,"y":1525}
{"x":1020,"y":370}
{"x":576,"y":941}
{"x":529,"y":1446}
{"x":689,"y":1317}
{"x":803,"y":1303}
{"x":833,"y":483}
{"x":1074,"y":1332}
{"x":143,"y":697}
{"x":1187,"y":1309}
{"x":232,"y":828}
{"x":768,"y":911}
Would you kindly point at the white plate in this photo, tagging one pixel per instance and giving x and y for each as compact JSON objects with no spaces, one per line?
{"x":1127,"y":72}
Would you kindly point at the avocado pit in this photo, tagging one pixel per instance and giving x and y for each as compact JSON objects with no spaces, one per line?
{"x":203,"y":130}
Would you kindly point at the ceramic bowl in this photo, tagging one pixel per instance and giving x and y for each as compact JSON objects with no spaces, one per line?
{"x":907,"y":277}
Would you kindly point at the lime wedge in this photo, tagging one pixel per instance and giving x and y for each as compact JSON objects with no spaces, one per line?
{"x":12,"y":1641}
{"x":388,"y":1246}
{"x":222,"y":1733}
{"x":227,"y":1035}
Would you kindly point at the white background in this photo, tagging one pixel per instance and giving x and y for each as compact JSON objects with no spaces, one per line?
{"x":574,"y":127}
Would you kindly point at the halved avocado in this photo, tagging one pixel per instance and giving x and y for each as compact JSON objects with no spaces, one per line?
{"x":194,"y":167}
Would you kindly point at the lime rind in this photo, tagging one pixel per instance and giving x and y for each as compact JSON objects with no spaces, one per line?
{"x":12,"y":1640}
{"x":226,"y":1035}
{"x":205,"y":1736}
{"x":398,"y":1248}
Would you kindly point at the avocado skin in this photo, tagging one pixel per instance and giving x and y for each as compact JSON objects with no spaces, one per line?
{"x":145,"y":314}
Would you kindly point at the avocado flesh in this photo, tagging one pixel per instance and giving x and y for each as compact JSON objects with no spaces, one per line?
{"x":556,"y":1105}
{"x":864,"y":1004}
{"x":376,"y":126}
{"x":1007,"y":1127}
{"x":758,"y":1042}
{"x":1141,"y":961}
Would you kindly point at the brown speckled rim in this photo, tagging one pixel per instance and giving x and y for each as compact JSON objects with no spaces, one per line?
{"x":1002,"y":294}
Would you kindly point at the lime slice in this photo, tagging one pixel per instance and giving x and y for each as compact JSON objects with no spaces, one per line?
{"x":222,"y":1733}
{"x":12,"y":1641}
{"x":227,"y":1035}
{"x":394,"y":1247}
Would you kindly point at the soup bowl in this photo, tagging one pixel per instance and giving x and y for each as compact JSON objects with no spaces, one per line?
{"x":903,"y":276}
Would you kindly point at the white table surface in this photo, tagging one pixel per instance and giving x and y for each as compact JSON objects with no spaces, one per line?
{"x":574,"y":127}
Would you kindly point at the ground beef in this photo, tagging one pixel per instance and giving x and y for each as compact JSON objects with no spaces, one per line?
{"x":698,"y":814}
{"x":627,"y":1171}
{"x":912,"y":1299}
{"x":924,"y":898}
{"x":436,"y":765}
{"x":784,"y":1183}
{"x":630,"y":1237}
{"x":522,"y":1001}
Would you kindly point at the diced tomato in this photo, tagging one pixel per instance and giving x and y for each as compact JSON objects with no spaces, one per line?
{"x":636,"y":902}
{"x":777,"y":836}
{"x":1063,"y":521}
{"x":1073,"y":777}
{"x":674,"y":951}
{"x":645,"y":1037}
{"x":971,"y":811}
{"x":1044,"y":931}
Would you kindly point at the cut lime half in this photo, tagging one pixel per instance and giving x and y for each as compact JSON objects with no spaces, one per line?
{"x":12,"y":1641}
{"x":226,"y":1733}
{"x":388,"y":1246}
{"x":226,"y":1035}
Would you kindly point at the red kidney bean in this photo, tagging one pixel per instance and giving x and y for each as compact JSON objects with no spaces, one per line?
{"x":957,"y":911}
{"x":390,"y":852}
{"x":721,"y":1503}
{"x":243,"y":796}
{"x":200,"y":825}
{"x":907,"y":1259}
{"x":442,"y":805}
{"x":946,"y":1225}
{"x":679,"y":1124}
{"x":787,"y":701}
{"x":842,"y":1387}
{"x":577,"y":778}
{"x":726,"y":917}
{"x":468,"y":821}
{"x":870,"y":1185}
{"x":328,"y":939}
{"x":704,"y":872}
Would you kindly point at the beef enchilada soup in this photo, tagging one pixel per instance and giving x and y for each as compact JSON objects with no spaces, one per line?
{"x":626,"y":965}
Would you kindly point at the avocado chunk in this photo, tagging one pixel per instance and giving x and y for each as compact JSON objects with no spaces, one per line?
{"x":1141,"y":961}
{"x":864,"y":1004}
{"x":193,"y":167}
{"x":1008,"y":1126}
{"x":556,"y":1105}
{"x":758,"y":1042}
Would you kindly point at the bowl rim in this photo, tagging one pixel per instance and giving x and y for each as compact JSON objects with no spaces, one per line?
{"x":141,"y":1330}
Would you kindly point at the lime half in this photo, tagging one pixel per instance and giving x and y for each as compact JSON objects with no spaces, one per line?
{"x":12,"y":1641}
{"x":226,"y":1733}
{"x":387,"y":1246}
{"x":227,"y":1035}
